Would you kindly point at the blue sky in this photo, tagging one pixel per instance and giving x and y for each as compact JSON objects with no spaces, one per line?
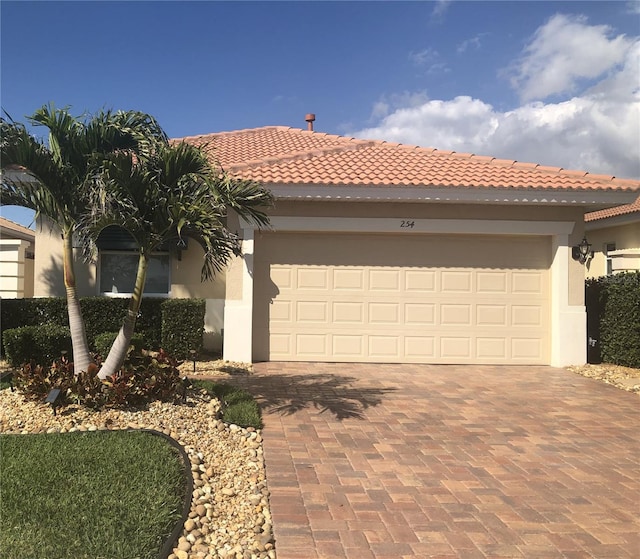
{"x":557,"y":83}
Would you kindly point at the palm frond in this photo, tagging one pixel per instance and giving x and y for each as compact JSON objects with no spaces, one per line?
{"x":168,"y":196}
{"x":247,"y":198}
{"x":30,"y":176}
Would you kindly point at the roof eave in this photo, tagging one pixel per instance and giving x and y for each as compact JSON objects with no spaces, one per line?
{"x":613,"y":221}
{"x":591,"y":200}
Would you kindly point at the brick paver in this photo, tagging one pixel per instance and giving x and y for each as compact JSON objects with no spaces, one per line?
{"x":393,"y":461}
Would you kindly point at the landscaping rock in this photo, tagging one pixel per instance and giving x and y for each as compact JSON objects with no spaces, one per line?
{"x":230,"y":514}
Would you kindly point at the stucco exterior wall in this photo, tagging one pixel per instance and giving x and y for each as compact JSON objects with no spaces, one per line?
{"x":29,"y":270}
{"x":184,"y":275}
{"x":186,"y":283}
{"x":625,"y":236}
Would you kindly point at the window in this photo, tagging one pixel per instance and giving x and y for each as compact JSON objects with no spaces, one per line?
{"x":118,"y":265}
{"x":609,"y":247}
{"x":118,"y":273}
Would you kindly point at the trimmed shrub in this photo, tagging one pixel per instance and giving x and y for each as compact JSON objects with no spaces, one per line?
{"x":149,"y":323}
{"x":41,"y":344}
{"x":182,"y":326}
{"x":175,"y":324}
{"x":620,"y":319}
{"x":15,"y":313}
{"x":101,"y":314}
{"x":106,"y":314}
{"x":104,"y":341}
{"x":18,"y":343}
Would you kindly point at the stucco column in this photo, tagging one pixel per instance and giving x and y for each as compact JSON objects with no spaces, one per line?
{"x":238,"y":313}
{"x":568,"y":322}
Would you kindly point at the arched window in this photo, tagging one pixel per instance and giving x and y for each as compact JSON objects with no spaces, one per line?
{"x":118,"y":265}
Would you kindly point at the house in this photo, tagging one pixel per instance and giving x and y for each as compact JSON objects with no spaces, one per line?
{"x":614,"y":234}
{"x":17,"y":248}
{"x":382,"y":252}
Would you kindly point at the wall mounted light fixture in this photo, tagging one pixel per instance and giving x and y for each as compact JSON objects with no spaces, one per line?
{"x":582,"y":252}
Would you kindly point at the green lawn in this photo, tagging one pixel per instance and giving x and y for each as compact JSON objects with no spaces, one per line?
{"x":99,"y":495}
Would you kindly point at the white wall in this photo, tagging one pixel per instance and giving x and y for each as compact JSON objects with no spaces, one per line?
{"x":16,"y":271}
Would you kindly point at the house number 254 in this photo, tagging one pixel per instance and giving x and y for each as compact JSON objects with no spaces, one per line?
{"x":407,"y":224}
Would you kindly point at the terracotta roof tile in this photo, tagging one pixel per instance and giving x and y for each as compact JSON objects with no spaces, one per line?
{"x":281,"y":155}
{"x":634,"y":207}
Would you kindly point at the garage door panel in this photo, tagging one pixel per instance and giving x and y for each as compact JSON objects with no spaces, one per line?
{"x":419,"y":348}
{"x":491,"y":348}
{"x":455,"y":347}
{"x":325,"y":308}
{"x":492,"y":282}
{"x":281,"y":311}
{"x":458,"y":315}
{"x":384,"y":313}
{"x":312,"y":311}
{"x":384,"y":280}
{"x":347,"y":312}
{"x":348,"y":346}
{"x":526,"y":315}
{"x":526,"y":349}
{"x":527,"y":283}
{"x":311,"y":345}
{"x":312,"y":278}
{"x":352,"y":280}
{"x":456,"y":281}
{"x":420,"y":314}
{"x":386,"y":347}
{"x":280,"y":344}
{"x":423,"y":281}
{"x":491,"y":315}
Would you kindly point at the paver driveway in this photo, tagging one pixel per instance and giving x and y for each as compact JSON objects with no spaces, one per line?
{"x":393,"y":461}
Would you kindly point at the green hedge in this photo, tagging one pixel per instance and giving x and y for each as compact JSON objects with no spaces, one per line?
{"x":178,"y":323}
{"x":104,"y":341}
{"x":101,"y":314}
{"x":619,"y":302}
{"x":188,"y":315}
{"x":41,"y":344}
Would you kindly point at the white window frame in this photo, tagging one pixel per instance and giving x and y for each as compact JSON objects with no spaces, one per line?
{"x":608,"y":260}
{"x":166,"y":295}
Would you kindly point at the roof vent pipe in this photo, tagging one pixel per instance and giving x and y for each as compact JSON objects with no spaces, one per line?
{"x":310,"y":118}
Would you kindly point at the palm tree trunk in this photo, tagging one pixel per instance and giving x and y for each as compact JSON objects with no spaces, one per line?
{"x":118,"y":351}
{"x":80,"y":347}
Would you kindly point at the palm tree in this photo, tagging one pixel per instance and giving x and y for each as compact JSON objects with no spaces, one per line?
{"x":52,"y":178}
{"x":165,"y":198}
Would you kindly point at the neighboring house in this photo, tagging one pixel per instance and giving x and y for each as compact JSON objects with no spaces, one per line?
{"x":614,"y":235}
{"x":17,"y":248}
{"x":381,"y":252}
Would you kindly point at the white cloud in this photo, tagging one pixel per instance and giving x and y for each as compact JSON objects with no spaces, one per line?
{"x":425,"y":56}
{"x":596,"y":130}
{"x":395,"y":101}
{"x":475,"y":42}
{"x":563,"y":52}
{"x":440,"y":9}
{"x":430,"y":59}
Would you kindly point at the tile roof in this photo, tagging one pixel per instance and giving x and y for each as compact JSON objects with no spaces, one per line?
{"x":282,"y":155}
{"x":634,"y":207}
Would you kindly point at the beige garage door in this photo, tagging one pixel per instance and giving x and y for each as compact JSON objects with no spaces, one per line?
{"x":401,"y":299}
